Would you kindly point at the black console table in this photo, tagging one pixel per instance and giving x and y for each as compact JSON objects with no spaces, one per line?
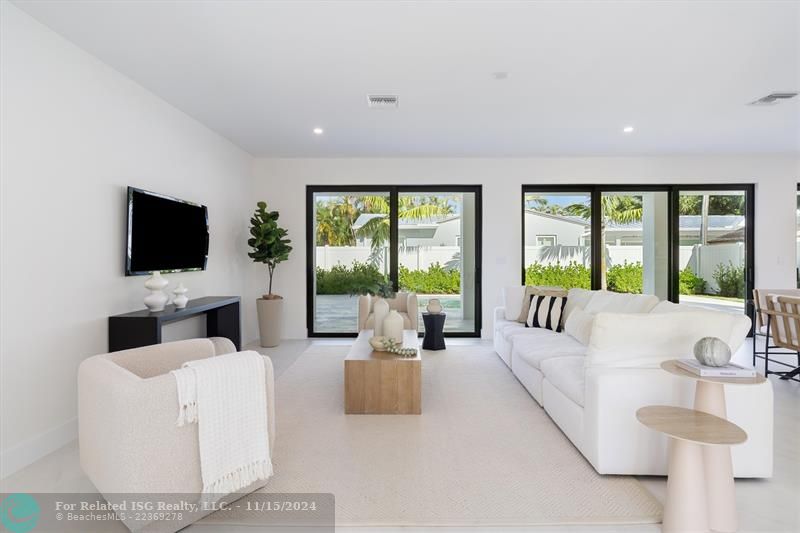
{"x":142,"y":328}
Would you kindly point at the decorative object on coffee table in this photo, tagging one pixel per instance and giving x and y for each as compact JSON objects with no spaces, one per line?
{"x":709,"y":397}
{"x":270,"y":247}
{"x":380,"y":382}
{"x":434,"y":331}
{"x":180,"y":299}
{"x":698,"y":495}
{"x":712,"y":351}
{"x":380,"y":310}
{"x":434,"y":306}
{"x":378,"y":343}
{"x":156,"y":300}
{"x":393,"y":326}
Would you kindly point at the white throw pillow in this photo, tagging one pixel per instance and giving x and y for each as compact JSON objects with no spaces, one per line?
{"x":613,"y":302}
{"x":512,"y":301}
{"x":577,"y":299}
{"x":579,"y":325}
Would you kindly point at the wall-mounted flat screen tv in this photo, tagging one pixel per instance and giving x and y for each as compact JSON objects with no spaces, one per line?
{"x":165,"y":233}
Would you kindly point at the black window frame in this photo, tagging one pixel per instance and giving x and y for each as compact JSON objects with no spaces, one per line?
{"x":673,"y":231}
{"x":394,"y":193}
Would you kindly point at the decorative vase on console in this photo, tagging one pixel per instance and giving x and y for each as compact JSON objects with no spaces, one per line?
{"x":180,"y":299}
{"x":156,"y":300}
{"x":380,"y":310}
{"x":393,"y":326}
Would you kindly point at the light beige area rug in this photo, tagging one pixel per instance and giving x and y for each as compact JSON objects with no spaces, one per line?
{"x":483,"y":453}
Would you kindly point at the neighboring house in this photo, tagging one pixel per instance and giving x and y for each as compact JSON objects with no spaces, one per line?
{"x":545,"y":229}
{"x":443,"y":231}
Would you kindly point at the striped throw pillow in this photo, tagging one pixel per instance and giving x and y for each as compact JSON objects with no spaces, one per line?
{"x":546,"y":312}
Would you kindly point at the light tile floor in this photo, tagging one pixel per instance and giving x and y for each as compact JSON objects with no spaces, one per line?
{"x":771,"y":505}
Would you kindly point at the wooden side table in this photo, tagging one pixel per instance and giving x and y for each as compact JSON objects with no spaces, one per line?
{"x":709,"y":397}
{"x":691,"y":484}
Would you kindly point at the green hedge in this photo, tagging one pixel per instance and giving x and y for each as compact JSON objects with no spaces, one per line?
{"x":341,"y":279}
{"x":568,"y":276}
{"x":730,"y":279}
{"x":435,"y":280}
{"x":690,"y":283}
{"x":627,"y":277}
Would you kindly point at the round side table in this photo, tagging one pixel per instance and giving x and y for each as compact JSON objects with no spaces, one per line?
{"x":709,"y":397}
{"x":690,"y":483}
{"x":434,"y":331}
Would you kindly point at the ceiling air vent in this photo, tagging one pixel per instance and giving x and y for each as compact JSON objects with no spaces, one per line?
{"x":774,"y":98}
{"x":382,"y":101}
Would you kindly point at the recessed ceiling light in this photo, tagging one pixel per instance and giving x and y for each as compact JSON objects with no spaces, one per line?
{"x":500,"y":75}
{"x":318,"y":131}
{"x":627,"y":129}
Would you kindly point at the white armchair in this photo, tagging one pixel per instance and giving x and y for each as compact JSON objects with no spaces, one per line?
{"x":127,"y":412}
{"x":404,"y":303}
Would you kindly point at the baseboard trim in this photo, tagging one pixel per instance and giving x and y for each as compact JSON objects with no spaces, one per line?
{"x":31,"y":450}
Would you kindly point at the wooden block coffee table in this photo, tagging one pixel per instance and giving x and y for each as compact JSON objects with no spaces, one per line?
{"x":381,"y":383}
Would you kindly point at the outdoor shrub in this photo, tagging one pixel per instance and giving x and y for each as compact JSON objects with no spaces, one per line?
{"x":568,"y":276}
{"x":435,"y":280}
{"x":343,"y":279}
{"x":690,"y":283}
{"x":730,"y":280}
{"x":626,"y":277}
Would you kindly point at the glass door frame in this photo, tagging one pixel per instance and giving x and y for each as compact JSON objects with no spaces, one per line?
{"x":673,"y":229}
{"x":394,"y":222}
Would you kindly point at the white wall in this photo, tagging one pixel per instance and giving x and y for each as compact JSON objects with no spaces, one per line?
{"x":74,"y":134}
{"x":281,"y":183}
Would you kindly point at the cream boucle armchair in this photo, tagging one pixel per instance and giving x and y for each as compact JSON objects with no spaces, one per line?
{"x":404,"y":303}
{"x":127,"y":412}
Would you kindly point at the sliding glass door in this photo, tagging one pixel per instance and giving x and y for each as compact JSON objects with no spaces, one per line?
{"x":557,"y":248}
{"x":350,"y":239}
{"x":417,"y":239}
{"x":713,"y":253}
{"x":685,"y":243}
{"x":635,"y":237}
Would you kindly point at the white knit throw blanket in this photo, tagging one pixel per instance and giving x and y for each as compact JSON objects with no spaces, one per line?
{"x":227,"y":397}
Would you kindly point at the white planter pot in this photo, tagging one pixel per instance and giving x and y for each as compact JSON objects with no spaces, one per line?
{"x":393,"y":326}
{"x":270,"y":321}
{"x":380,"y":309}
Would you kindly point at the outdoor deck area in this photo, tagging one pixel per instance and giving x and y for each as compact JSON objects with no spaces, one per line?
{"x":338,"y":313}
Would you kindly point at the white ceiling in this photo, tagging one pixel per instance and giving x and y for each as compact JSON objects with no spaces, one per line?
{"x":264,"y":74}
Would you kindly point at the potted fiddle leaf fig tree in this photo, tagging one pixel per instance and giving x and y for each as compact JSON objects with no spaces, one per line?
{"x":270,"y":246}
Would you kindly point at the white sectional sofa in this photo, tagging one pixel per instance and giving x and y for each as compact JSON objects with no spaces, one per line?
{"x":592,"y":377}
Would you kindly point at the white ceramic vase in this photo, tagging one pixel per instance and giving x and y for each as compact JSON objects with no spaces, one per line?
{"x":156,"y":300}
{"x":380,"y":309}
{"x":180,"y":299}
{"x":393,"y":326}
{"x":434,"y":306}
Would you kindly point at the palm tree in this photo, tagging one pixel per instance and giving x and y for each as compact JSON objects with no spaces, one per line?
{"x":377,"y":229}
{"x":614,"y":208}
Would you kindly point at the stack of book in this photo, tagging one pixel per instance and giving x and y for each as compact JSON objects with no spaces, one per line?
{"x":728,"y":371}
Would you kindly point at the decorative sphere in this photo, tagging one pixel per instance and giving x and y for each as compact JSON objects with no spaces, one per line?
{"x":711,"y":351}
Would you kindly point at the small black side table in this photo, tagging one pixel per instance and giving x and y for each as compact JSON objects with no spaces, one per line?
{"x":434,"y":331}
